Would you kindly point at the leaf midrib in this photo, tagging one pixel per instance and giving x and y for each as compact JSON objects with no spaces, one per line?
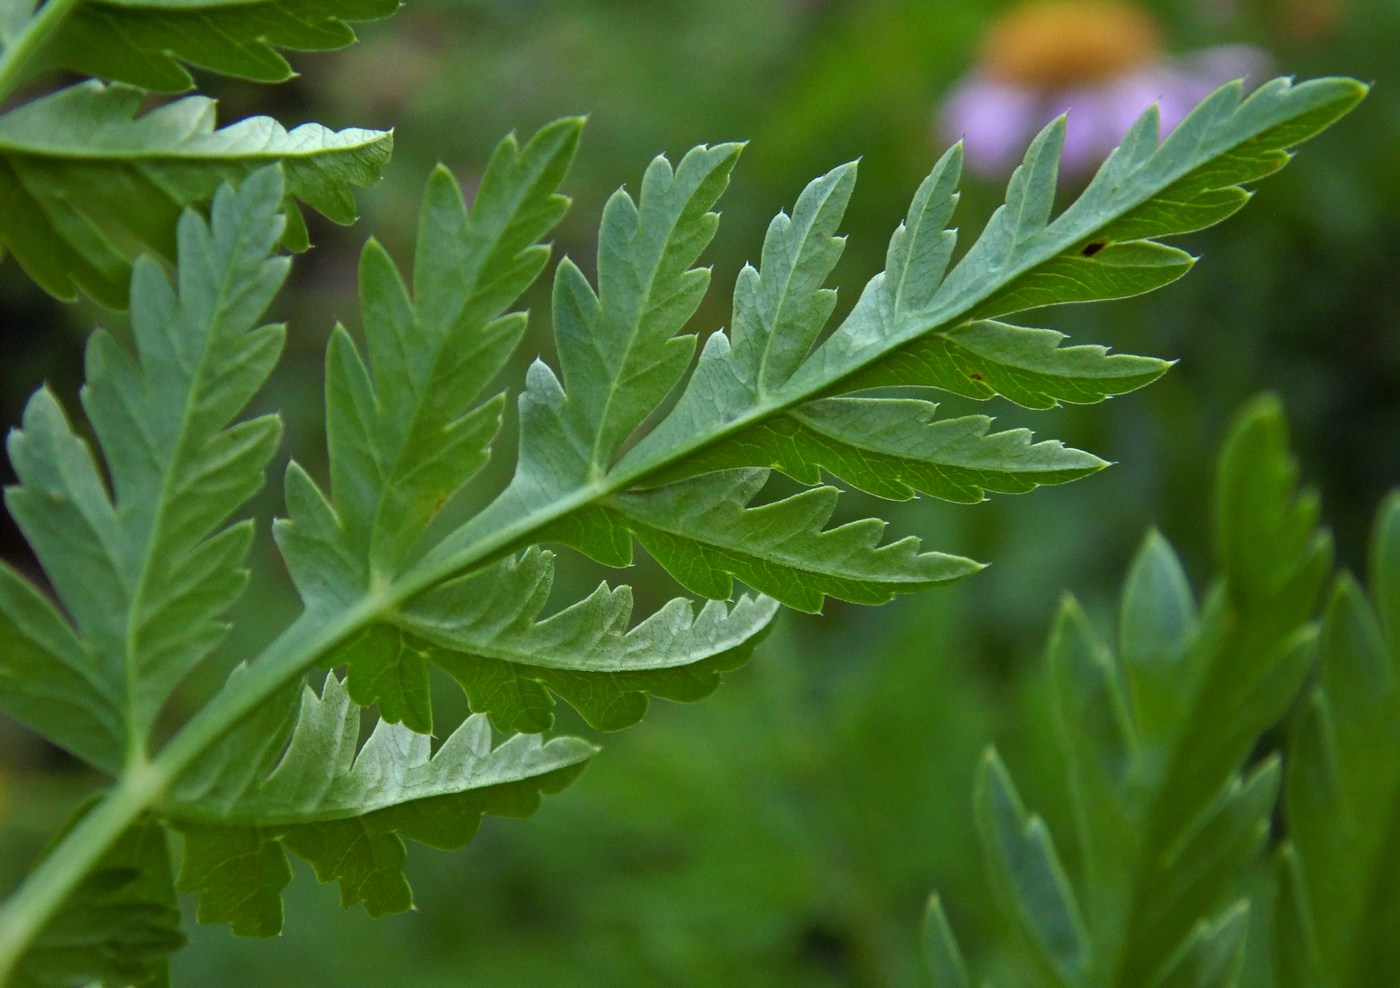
{"x":139,"y":155}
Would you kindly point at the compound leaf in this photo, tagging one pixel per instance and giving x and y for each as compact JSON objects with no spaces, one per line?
{"x":149,"y":43}
{"x":1154,"y":740}
{"x":87,"y":182}
{"x":145,"y":565}
{"x":1340,"y":914}
{"x":914,"y":326}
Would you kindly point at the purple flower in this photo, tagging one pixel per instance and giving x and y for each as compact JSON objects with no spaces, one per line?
{"x":1095,"y":60}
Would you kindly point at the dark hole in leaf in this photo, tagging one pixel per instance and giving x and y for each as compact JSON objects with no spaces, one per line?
{"x":1093,"y":249}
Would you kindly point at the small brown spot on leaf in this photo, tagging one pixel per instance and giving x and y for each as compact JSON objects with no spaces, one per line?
{"x":1093,"y":249}
{"x":976,"y":376}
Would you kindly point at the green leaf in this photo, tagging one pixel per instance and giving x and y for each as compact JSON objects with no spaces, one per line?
{"x":404,"y":432}
{"x":752,"y":390}
{"x":246,"y":787}
{"x":1214,"y":956}
{"x":483,"y":629}
{"x":914,"y":326}
{"x":405,"y":436}
{"x":119,"y":927}
{"x":779,"y":314}
{"x":1154,"y":739}
{"x":941,"y":954}
{"x":148,"y":43}
{"x":348,"y":811}
{"x":1100,"y":743}
{"x":705,"y":535}
{"x":984,"y":358}
{"x":147,"y":570}
{"x":50,"y":681}
{"x":87,"y":184}
{"x":896,"y":448}
{"x":1029,"y":882}
{"x":1204,"y":868}
{"x":1204,"y":686}
{"x":1342,"y":801}
{"x":1266,"y":538}
{"x":617,"y":347}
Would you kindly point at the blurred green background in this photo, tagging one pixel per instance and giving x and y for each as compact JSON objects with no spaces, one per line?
{"x":787,"y":830}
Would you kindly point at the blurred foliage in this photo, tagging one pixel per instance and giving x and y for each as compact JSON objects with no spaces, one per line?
{"x":726,"y":843}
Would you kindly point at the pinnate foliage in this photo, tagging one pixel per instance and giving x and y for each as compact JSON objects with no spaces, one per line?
{"x":1154,"y":738}
{"x":1339,"y":909}
{"x":89,"y":182}
{"x":1172,"y":800}
{"x":270,"y":766}
{"x":150,"y":43}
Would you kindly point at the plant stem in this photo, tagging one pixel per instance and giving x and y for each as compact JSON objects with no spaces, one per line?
{"x":15,"y":59}
{"x":45,"y":889}
{"x":50,"y":884}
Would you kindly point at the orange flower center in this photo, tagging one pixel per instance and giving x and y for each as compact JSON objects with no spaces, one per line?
{"x":1052,"y":44}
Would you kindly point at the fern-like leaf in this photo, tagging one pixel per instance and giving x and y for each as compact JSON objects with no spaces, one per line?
{"x":915,"y":326}
{"x":1154,"y":742}
{"x":761,"y":396}
{"x":147,"y":569}
{"x":405,"y":436}
{"x":87,"y":184}
{"x":149,"y":43}
{"x":1339,"y":912}
{"x":347,"y":808}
